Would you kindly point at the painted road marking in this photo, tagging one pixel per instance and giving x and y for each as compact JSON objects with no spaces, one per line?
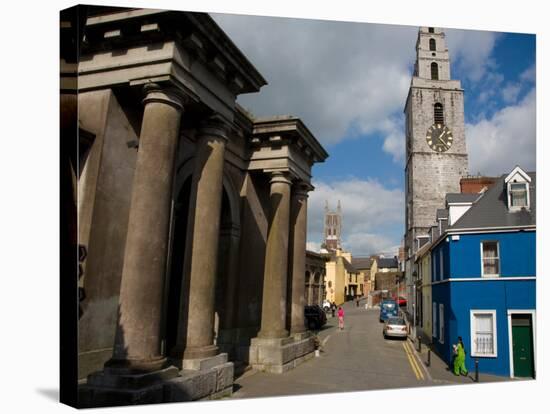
{"x":412,"y":360}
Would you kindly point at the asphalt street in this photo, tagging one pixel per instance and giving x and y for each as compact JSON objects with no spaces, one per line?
{"x":357,"y":358}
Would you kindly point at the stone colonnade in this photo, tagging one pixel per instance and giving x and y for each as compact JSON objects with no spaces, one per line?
{"x":138,"y":344}
{"x":315,"y":293}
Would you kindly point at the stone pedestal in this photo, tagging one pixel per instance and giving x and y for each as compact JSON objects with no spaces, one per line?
{"x":278,"y":355}
{"x":201,"y":379}
{"x":107,"y":389}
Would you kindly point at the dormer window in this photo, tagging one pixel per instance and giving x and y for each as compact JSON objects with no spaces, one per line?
{"x":517,"y":186}
{"x":518,"y":195}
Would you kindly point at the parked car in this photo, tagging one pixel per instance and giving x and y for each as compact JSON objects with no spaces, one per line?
{"x":326,"y":305}
{"x":395,"y":328}
{"x":388,"y":309}
{"x":401,"y":301}
{"x":315,"y":317}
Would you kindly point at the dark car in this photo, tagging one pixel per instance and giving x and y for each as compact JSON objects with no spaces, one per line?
{"x":315,"y":317}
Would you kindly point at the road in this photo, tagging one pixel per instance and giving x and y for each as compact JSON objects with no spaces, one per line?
{"x":355,"y":359}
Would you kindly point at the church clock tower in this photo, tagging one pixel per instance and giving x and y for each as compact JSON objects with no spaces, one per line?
{"x":435,"y":142}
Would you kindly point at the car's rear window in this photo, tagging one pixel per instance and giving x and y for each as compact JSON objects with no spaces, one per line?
{"x":388,"y":305}
{"x":396,"y":321}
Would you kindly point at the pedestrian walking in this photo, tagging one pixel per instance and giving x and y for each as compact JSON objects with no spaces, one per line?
{"x":459,"y":365}
{"x":333,"y":309}
{"x":340,"y":318}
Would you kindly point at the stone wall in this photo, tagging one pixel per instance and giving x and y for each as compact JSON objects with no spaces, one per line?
{"x":104,"y":188}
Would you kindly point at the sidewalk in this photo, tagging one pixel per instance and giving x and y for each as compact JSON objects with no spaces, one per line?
{"x":440,"y":372}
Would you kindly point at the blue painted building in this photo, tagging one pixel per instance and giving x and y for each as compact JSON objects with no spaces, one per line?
{"x":484,"y":277}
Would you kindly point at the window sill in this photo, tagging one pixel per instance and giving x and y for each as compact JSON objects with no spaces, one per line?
{"x":484,"y":355}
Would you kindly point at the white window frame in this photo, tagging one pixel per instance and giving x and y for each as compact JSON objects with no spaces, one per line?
{"x":527,"y":201}
{"x":482,"y":258}
{"x":474,"y":312}
{"x":434,"y":319}
{"x":441,"y":323}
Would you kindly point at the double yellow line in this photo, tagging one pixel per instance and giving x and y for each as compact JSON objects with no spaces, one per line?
{"x":412,"y":360}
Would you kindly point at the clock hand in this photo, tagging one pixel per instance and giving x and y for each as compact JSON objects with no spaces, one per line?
{"x":443,"y":142}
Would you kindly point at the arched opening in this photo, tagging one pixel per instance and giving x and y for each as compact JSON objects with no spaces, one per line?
{"x":438,"y":114}
{"x":432,"y":45}
{"x":316,"y":289}
{"x":174,"y":302}
{"x":176,"y":312}
{"x":434,"y":71}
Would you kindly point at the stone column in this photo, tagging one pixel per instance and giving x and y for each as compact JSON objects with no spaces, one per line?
{"x":298,"y":257}
{"x":138,"y":340}
{"x":207,"y":185}
{"x":276,"y":260}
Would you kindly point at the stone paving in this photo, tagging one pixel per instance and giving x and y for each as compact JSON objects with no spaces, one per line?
{"x":355,"y":359}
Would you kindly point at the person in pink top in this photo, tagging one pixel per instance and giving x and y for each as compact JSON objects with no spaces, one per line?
{"x":340,"y":318}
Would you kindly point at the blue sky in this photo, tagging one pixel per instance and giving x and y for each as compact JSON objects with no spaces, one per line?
{"x":348,"y":83}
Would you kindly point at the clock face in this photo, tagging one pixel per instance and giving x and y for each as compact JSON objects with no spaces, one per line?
{"x":439,"y":138}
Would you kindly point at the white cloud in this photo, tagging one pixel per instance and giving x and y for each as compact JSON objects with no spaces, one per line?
{"x":340,"y":78}
{"x":471,"y":50}
{"x":510,"y":92}
{"x":497,"y":144}
{"x":370,"y":210}
{"x":529,"y":75}
{"x":343,"y":79}
{"x":313,"y":246}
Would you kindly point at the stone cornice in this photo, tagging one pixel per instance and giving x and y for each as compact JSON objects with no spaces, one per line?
{"x":195,"y":32}
{"x":288,"y":130}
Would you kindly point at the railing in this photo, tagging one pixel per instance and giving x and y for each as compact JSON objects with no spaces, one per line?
{"x":484,"y":343}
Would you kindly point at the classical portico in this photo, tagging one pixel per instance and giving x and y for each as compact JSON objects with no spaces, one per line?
{"x":193,"y":213}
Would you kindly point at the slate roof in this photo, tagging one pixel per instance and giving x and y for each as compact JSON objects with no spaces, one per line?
{"x":491,"y":210}
{"x":461,"y":197}
{"x":348,"y":266}
{"x":387,"y":262}
{"x":361,"y":262}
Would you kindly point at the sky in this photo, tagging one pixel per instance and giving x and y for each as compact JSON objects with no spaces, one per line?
{"x":348,"y":82}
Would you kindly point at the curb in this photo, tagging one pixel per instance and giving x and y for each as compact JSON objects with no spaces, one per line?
{"x":419,"y":359}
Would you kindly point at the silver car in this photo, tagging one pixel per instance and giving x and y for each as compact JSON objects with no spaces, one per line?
{"x":395,"y":328}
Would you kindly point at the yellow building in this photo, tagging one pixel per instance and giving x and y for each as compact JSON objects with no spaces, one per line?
{"x":343,"y":281}
{"x":363,"y":266}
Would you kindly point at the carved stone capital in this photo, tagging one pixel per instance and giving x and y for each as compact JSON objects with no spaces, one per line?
{"x":301,"y":188}
{"x":280,"y":177}
{"x":169,"y":95}
{"x":214,"y":126}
